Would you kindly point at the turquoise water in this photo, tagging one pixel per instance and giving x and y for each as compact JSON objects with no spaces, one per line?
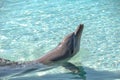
{"x":30,"y":28}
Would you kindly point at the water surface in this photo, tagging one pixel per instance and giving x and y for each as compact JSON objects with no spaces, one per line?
{"x":30,"y":28}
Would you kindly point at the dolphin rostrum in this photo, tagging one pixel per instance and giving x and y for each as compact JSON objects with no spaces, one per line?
{"x":66,"y":49}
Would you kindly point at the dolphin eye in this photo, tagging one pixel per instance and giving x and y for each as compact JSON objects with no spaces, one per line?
{"x":72,"y":51}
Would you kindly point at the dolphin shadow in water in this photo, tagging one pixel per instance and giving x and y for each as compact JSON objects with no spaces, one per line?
{"x":91,"y":74}
{"x":55,"y":76}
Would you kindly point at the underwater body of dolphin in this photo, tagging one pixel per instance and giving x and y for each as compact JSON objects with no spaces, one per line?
{"x":66,"y":49}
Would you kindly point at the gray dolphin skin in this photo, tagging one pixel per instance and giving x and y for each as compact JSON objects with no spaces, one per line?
{"x":66,"y":49}
{"x":69,"y":46}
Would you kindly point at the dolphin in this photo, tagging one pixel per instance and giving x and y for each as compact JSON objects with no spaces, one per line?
{"x":66,"y":49}
{"x":60,"y":55}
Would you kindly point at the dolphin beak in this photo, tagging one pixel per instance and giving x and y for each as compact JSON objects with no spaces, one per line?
{"x":79,"y":30}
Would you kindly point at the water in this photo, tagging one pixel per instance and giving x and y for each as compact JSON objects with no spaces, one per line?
{"x":30,"y":28}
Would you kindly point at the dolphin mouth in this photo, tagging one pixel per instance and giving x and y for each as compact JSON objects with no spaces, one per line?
{"x":79,"y":30}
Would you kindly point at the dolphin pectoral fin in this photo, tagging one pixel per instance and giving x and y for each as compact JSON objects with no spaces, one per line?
{"x":77,"y":70}
{"x":74,"y":69}
{"x":71,"y":67}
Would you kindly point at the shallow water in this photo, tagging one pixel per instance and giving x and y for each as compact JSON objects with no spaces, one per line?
{"x":30,"y":28}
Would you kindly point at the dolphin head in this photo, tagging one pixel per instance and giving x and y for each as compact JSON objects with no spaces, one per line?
{"x":78,"y":33}
{"x":72,"y":41}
